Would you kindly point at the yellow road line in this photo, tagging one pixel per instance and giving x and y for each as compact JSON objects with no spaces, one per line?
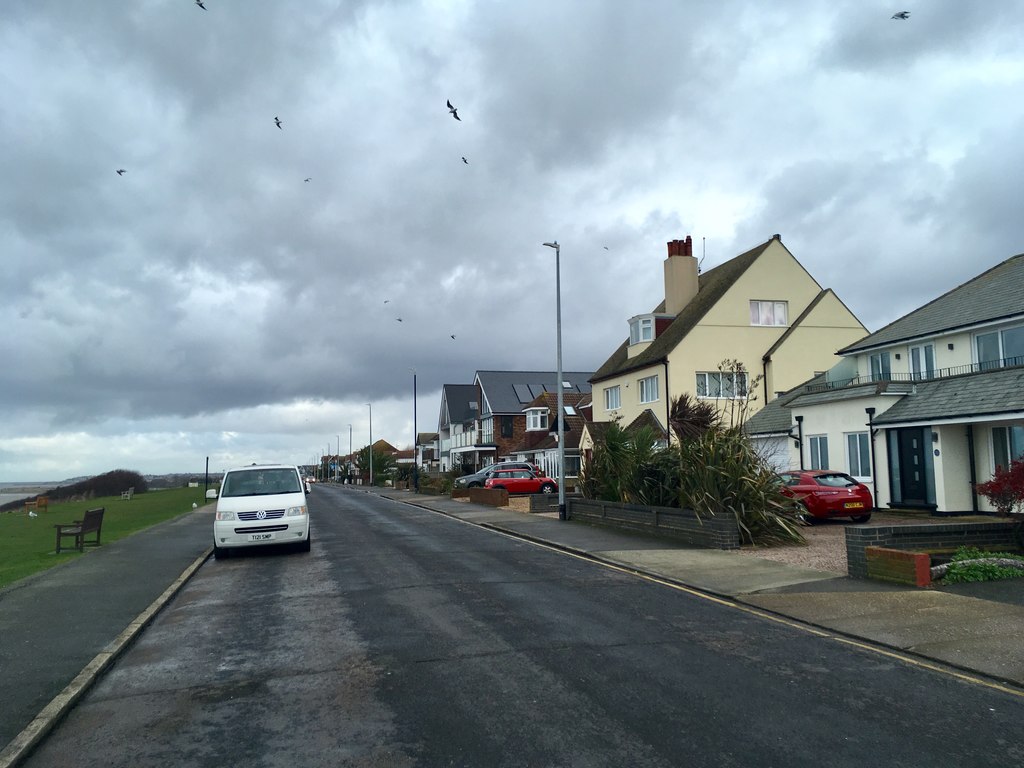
{"x":864,"y":646}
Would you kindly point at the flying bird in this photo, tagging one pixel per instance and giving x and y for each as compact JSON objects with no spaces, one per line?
{"x":398,"y":319}
{"x":465,"y":161}
{"x":605,"y":247}
{"x":200,"y":4}
{"x":453,"y":335}
{"x":902,"y":15}
{"x":386,"y":300}
{"x":277,"y":122}
{"x":121,"y":171}
{"x":454,"y":111}
{"x":308,"y":179}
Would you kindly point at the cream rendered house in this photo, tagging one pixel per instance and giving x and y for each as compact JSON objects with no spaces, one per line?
{"x":761,"y":308}
{"x":922,"y":409}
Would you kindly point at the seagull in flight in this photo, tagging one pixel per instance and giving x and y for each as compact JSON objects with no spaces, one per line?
{"x":605,"y":247}
{"x":398,"y":319}
{"x":453,"y":335}
{"x":386,"y":300}
{"x":121,"y":171}
{"x":200,"y":4}
{"x":454,"y":111}
{"x":465,"y":161}
{"x":902,"y":15}
{"x":308,"y":179}
{"x":277,"y":122}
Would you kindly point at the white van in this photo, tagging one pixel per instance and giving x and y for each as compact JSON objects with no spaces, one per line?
{"x":258,"y":505}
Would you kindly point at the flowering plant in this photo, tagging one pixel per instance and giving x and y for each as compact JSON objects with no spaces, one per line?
{"x":1005,"y":491}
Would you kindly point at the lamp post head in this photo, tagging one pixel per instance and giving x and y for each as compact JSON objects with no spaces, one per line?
{"x":552,"y":245}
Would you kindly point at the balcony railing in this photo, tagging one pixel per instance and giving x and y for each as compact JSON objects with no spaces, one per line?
{"x":913,"y":378}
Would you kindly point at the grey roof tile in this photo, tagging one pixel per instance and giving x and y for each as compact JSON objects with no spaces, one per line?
{"x":995,"y":294}
{"x":510,"y":391}
{"x":989,"y":393}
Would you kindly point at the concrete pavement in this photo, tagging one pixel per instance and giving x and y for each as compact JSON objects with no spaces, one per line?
{"x":57,"y":634}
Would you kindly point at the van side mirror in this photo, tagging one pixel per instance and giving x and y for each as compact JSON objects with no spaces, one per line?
{"x":211,"y":493}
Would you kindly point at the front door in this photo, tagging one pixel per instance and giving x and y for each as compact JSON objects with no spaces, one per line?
{"x":913,"y":482}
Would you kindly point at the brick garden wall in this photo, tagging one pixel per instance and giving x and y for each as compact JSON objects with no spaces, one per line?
{"x":899,"y":566}
{"x":922,"y":538}
{"x":680,"y":524}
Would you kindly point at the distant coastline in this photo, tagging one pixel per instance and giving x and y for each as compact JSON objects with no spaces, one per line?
{"x":15,"y":491}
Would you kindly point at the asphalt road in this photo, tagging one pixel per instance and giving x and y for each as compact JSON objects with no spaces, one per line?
{"x":407,"y":638}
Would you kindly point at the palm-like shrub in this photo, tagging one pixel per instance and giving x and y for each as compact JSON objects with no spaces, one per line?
{"x":710,"y":468}
{"x":630,"y":468}
{"x":721,"y":474}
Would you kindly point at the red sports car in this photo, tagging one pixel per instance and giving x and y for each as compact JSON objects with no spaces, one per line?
{"x":825,"y":493}
{"x":521,"y":481}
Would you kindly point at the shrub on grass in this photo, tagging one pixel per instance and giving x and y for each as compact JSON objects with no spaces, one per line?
{"x":970,"y":564}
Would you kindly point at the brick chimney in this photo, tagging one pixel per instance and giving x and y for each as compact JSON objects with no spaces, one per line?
{"x":680,"y":275}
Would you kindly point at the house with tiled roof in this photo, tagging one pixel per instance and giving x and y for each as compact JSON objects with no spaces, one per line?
{"x":457,"y":424}
{"x":483,"y":422}
{"x":761,"y":309}
{"x":539,"y":442}
{"x":924,"y":408}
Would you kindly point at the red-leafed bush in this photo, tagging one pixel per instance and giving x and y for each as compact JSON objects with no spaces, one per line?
{"x":1005,"y":491}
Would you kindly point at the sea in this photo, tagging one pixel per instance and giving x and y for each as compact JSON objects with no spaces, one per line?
{"x":15,"y":491}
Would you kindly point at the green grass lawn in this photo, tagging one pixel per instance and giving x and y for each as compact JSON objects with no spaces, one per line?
{"x":27,"y":544}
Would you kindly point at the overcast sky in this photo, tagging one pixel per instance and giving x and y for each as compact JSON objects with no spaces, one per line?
{"x":212,"y":302}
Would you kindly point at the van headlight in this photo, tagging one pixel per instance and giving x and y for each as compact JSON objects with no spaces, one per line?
{"x":224,"y":515}
{"x":295,"y":511}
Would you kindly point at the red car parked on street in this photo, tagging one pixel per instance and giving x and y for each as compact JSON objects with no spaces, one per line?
{"x":521,"y":481}
{"x":825,"y":493}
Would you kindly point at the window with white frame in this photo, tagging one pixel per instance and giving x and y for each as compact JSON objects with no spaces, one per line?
{"x":1007,"y":444}
{"x":536,"y":418}
{"x":769,"y":312}
{"x":858,"y":454}
{"x":881,"y":368}
{"x":648,"y":389}
{"x":572,"y":466}
{"x":818,"y":446}
{"x":725,"y":385}
{"x":612,"y":398}
{"x":922,"y":361}
{"x":641,"y":329}
{"x":998,"y":348}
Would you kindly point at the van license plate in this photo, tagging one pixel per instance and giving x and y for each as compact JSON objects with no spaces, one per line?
{"x":261,"y":537}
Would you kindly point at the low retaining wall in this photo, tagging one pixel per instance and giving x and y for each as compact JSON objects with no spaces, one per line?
{"x":895,"y":565}
{"x":544,"y":502}
{"x":495,"y":497}
{"x":924,"y":538}
{"x":681,"y":524}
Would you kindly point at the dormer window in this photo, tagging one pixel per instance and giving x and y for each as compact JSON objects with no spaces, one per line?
{"x":641,"y":329}
{"x":536,"y":419}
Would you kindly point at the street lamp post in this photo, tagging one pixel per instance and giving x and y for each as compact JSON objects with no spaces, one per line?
{"x":558,"y":344}
{"x":370,"y":449}
{"x":415,"y":437}
{"x":348,"y":464}
{"x":337,"y":460}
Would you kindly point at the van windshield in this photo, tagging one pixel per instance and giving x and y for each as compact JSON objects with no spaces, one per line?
{"x":261,"y":482}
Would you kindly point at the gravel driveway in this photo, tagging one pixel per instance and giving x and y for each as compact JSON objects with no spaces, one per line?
{"x":826,"y":542}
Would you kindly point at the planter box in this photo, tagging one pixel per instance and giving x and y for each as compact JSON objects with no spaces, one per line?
{"x":679,"y":524}
{"x":997,"y":535}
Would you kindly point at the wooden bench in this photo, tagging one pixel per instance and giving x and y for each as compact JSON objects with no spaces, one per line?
{"x":127,"y":495}
{"x":91,"y":523}
{"x":37,"y":504}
